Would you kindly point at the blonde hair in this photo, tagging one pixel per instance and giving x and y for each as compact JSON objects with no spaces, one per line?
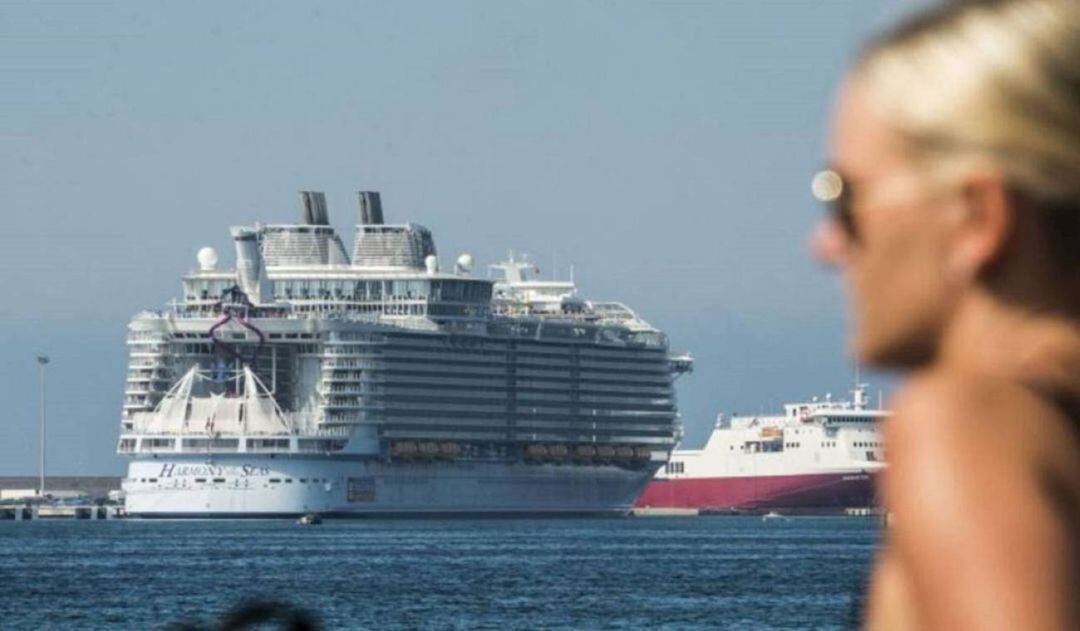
{"x":990,"y":83}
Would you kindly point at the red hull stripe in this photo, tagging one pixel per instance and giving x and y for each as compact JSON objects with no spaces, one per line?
{"x":821,"y":490}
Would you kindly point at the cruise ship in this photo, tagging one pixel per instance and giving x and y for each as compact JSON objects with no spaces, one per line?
{"x":309,"y":379}
{"x":821,"y":454}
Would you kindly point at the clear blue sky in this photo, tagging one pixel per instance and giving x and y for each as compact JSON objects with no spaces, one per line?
{"x":664,"y":149}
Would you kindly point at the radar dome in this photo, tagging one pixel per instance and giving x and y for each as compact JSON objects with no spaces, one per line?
{"x":208,"y":259}
{"x":465,"y":263}
{"x":431,"y":262}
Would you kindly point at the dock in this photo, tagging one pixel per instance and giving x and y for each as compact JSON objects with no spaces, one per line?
{"x":58,"y":511}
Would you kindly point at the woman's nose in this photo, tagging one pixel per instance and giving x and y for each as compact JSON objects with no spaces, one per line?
{"x":828,"y":244}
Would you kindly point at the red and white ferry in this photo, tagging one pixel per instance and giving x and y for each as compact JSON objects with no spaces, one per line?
{"x":822,"y":454}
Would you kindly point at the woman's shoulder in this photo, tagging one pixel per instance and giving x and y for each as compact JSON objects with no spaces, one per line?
{"x":970,"y":424}
{"x":952,"y":403}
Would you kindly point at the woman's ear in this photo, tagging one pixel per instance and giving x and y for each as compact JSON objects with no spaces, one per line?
{"x":987,"y":220}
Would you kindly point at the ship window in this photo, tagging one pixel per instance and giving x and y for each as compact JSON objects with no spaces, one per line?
{"x":303,"y":480}
{"x":200,"y":479}
{"x":152,"y":480}
{"x":219,"y":479}
{"x":275,"y":480}
{"x":288,"y":480}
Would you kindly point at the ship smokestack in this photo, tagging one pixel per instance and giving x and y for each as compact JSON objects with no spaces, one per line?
{"x":250,"y":266}
{"x":370,"y":208}
{"x":313,"y":209}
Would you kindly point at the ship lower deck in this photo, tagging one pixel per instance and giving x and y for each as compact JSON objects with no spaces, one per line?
{"x":238,"y":486}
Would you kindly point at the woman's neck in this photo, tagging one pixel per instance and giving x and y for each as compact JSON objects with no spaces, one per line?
{"x":991,"y":337}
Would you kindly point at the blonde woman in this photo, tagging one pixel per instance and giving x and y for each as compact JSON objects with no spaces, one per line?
{"x":955,"y":218}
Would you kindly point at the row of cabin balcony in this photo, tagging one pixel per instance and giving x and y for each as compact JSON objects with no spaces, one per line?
{"x":494,"y":391}
{"x":497,"y":379}
{"x":250,"y":445}
{"x":530,"y":400}
{"x":433,"y":290}
{"x":497,"y":382}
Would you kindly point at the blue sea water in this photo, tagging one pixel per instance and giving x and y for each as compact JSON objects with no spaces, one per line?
{"x":677,"y":573}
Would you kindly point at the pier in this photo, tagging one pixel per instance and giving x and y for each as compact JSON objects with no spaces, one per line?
{"x":66,"y":497}
{"x":54,"y":511}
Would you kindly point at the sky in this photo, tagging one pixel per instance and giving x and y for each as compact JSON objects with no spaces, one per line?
{"x":664,"y":149}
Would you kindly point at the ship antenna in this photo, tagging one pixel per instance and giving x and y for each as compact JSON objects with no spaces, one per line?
{"x":858,"y":395}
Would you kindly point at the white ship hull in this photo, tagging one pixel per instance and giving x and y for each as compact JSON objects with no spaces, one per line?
{"x":261,"y":486}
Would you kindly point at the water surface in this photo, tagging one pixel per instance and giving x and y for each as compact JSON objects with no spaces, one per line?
{"x":678,"y":573}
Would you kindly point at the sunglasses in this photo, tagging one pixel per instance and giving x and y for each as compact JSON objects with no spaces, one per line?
{"x":830,"y":188}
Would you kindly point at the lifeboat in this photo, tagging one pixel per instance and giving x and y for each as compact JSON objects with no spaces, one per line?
{"x":403,"y":448}
{"x":449,"y":450}
{"x":536,"y":451}
{"x":605,"y":451}
{"x":429,"y":449}
{"x":624,"y":452}
{"x":644,"y":453}
{"x":584,"y":452}
{"x":558,"y":451}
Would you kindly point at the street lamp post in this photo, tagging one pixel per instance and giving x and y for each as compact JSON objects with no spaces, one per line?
{"x":42,"y":360}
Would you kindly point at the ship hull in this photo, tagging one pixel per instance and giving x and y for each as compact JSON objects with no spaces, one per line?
{"x":239,"y":487}
{"x":796,"y":491}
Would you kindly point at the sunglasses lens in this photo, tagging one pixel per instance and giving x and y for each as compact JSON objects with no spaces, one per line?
{"x":828,"y":187}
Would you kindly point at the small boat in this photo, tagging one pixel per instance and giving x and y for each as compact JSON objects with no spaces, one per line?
{"x":773,"y":515}
{"x":311,"y":519}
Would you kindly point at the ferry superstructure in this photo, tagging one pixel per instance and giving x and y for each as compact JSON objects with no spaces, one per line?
{"x":821,"y":454}
{"x":309,"y":380}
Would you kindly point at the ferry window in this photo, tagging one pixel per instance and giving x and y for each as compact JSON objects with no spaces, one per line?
{"x":152,"y":480}
{"x":199,"y":480}
{"x":288,"y":480}
{"x":275,"y":480}
{"x":303,"y":480}
{"x":219,"y":479}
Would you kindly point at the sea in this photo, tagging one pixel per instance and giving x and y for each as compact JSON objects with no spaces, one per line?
{"x":730,"y":572}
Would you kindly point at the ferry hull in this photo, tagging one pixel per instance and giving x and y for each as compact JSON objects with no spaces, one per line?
{"x":238,"y":487}
{"x":801,"y":491}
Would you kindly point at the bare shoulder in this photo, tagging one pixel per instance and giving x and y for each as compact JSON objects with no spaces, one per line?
{"x":969,"y":418}
{"x":988,"y":540}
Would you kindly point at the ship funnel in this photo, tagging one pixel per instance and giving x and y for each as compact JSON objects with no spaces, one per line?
{"x":370,"y":208}
{"x":313,"y":209}
{"x":250,"y":266}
